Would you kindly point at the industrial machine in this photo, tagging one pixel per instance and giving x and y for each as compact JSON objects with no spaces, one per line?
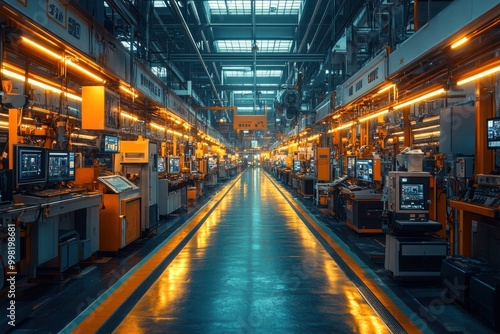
{"x":139,"y":163}
{"x":322,"y":162}
{"x":120,"y":220}
{"x":412,"y":250}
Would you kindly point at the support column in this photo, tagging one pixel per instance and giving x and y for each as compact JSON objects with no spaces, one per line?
{"x":485,"y":108}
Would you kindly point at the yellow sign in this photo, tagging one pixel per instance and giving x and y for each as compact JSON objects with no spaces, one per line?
{"x":250,"y":122}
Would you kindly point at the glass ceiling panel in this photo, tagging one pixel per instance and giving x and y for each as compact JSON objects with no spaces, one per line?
{"x":246,"y":45}
{"x":247,"y":92}
{"x":249,"y":74}
{"x":160,"y":3}
{"x":262,"y":7}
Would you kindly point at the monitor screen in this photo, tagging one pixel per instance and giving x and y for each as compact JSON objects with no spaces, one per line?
{"x":117,"y":183}
{"x":161,"y":165}
{"x":296,"y":166}
{"x":412,"y":196}
{"x":364,"y":170}
{"x":61,"y":166}
{"x":29,"y":164}
{"x":312,"y":166}
{"x":110,"y":144}
{"x":493,"y":130}
{"x":351,"y":167}
{"x":174,"y":165}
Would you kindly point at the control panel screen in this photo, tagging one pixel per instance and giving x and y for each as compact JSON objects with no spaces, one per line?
{"x":412,"y":197}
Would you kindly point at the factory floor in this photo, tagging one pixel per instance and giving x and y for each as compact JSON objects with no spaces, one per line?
{"x":251,"y":257}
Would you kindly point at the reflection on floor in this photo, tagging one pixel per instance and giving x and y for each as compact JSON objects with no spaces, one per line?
{"x":252,"y":267}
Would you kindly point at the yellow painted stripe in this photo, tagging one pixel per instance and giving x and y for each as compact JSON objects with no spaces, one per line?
{"x":102,"y":312}
{"x":377,"y":291}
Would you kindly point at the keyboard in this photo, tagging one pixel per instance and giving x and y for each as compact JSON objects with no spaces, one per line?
{"x":48,"y":192}
{"x":76,"y":190}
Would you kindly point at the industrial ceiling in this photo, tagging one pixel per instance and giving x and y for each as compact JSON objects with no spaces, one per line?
{"x":245,"y":53}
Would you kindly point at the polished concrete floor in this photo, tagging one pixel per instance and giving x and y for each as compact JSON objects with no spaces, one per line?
{"x":245,"y":259}
{"x":253,"y":267}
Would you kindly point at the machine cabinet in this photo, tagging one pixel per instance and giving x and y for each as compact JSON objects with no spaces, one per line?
{"x":120,"y":219}
{"x":120,"y":222}
{"x":363,"y":216}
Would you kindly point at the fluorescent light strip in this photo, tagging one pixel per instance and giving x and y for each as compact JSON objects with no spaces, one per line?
{"x":386,"y":88}
{"x":427,"y":135}
{"x":459,"y":42}
{"x":41,"y":48}
{"x":479,"y":75}
{"x":426,"y":128}
{"x":156,"y":126}
{"x":343,"y":126}
{"x":81,"y":69}
{"x":40,"y":84}
{"x":131,"y":92}
{"x":418,"y":99}
{"x":132,"y":117}
{"x":59,"y":57}
{"x":373,"y":115}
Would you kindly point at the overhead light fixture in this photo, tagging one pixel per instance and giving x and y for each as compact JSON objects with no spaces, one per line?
{"x":40,"y":84}
{"x":459,"y":42}
{"x":41,"y":48}
{"x":420,"y":98}
{"x":157,"y":126}
{"x":386,"y":88}
{"x":129,"y":91}
{"x":343,"y":126}
{"x":59,"y":57}
{"x":479,"y":75}
{"x":129,"y":116}
{"x":84,"y":71}
{"x":373,"y":115}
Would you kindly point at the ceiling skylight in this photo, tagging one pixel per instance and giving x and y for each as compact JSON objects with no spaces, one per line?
{"x":262,"y":7}
{"x":259,"y":73}
{"x":159,"y":3}
{"x":246,"y":45}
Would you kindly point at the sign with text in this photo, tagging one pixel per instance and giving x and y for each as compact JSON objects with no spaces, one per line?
{"x":250,"y":122}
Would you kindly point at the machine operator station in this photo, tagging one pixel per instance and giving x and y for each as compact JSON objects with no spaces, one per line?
{"x":108,"y":134}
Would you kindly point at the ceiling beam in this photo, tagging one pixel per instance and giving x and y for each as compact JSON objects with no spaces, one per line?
{"x":248,"y":57}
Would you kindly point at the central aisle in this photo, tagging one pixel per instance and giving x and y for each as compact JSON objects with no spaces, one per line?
{"x":253,"y":267}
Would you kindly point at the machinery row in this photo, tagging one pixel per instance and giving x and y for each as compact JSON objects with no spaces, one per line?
{"x":408,"y":147}
{"x":64,"y":213}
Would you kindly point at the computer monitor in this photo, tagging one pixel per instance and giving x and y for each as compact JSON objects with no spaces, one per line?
{"x":174,"y":165}
{"x":296,"y":166}
{"x":61,"y":166}
{"x":364,"y":170}
{"x":493,"y":131}
{"x":30,"y":165}
{"x":351,"y":166}
{"x":161,"y":165}
{"x":409,"y":194}
{"x":110,"y":144}
{"x":312,"y":166}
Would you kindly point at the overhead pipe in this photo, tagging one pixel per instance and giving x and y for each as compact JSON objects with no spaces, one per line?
{"x":207,"y":45}
{"x":315,"y":12}
{"x":121,"y":8}
{"x":177,"y":10}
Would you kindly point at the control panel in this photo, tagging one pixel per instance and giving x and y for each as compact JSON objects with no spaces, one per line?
{"x":488,"y":180}
{"x":487,"y":196}
{"x":464,"y":167}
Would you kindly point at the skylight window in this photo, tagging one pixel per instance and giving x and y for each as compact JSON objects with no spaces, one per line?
{"x":259,"y":73}
{"x":160,"y":3}
{"x":262,"y":7}
{"x":246,"y":45}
